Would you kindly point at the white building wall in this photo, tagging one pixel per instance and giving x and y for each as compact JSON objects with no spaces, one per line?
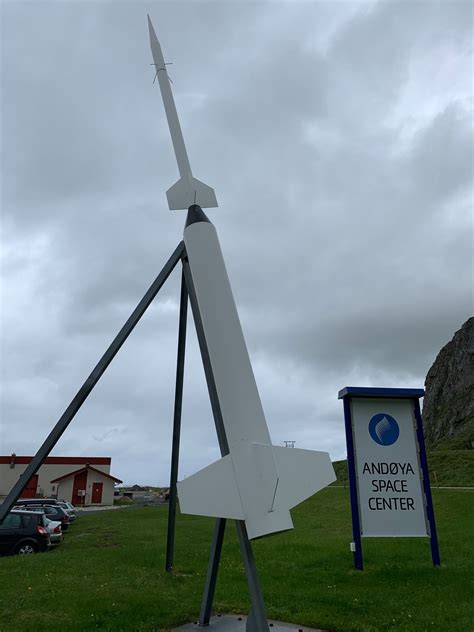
{"x":107,"y":489}
{"x":47,"y":473}
{"x":64,"y":489}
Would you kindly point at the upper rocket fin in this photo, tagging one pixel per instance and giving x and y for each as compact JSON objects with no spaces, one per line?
{"x":188,"y":191}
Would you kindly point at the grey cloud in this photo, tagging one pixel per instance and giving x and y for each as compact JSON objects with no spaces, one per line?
{"x":346,"y":238}
{"x":441,"y":159}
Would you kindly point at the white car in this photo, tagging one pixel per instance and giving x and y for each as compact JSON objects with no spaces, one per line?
{"x":55,"y":530}
{"x":68,"y":508}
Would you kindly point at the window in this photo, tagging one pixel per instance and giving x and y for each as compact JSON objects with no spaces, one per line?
{"x":26,"y":519}
{"x":11,"y":521}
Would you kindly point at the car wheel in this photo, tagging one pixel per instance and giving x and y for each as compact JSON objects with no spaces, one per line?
{"x":26,"y":549}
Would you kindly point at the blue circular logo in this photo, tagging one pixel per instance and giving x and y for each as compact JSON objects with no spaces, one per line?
{"x":384,"y":429}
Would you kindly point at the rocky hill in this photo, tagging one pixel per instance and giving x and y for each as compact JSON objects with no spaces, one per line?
{"x":448,"y":406}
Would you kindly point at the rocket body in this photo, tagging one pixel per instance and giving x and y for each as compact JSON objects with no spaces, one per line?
{"x":256,"y":482}
{"x":238,"y":395}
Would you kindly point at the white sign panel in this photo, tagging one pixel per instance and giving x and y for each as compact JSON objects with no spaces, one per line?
{"x":391,"y":499}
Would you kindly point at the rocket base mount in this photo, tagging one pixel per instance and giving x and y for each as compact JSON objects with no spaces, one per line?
{"x":237,"y":623}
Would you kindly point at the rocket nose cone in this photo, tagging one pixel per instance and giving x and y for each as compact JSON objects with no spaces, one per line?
{"x":151,"y":31}
{"x":196,"y":214}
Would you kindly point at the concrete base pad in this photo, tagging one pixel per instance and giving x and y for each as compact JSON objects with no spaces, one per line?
{"x":237,"y":622}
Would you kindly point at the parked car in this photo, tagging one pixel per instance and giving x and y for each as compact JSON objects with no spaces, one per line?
{"x":54,"y":527}
{"x":55,"y":530}
{"x":53,"y":512}
{"x":67,"y":508}
{"x":23,"y":533}
{"x":71,"y":507}
{"x":35,"y":501}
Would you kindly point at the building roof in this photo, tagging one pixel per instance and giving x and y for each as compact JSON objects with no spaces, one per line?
{"x":58,"y":460}
{"x":85,"y":469}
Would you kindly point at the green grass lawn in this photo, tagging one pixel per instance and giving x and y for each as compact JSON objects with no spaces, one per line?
{"x":108,"y":573}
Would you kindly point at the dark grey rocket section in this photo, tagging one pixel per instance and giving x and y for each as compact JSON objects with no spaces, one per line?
{"x":195,"y":215}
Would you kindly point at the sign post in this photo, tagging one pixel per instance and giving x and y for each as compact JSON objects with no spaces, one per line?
{"x":388,"y":470}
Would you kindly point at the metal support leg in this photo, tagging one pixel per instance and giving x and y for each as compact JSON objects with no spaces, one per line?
{"x":212,"y":569}
{"x":89,"y":384}
{"x":356,"y":535}
{"x":178,"y":401}
{"x":426,"y":485}
{"x":257,"y":619}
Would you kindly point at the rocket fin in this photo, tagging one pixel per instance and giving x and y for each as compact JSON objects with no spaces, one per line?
{"x":188,"y":191}
{"x":216,"y":490}
{"x":302,"y":473}
{"x":212,"y":492}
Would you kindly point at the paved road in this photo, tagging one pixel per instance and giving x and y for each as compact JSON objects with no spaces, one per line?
{"x":136,"y":505}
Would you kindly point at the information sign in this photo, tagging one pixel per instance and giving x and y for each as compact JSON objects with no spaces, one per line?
{"x":389,"y":479}
{"x":388,"y":471}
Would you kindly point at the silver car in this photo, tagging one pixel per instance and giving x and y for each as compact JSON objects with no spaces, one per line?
{"x":68,"y":508}
{"x":55,"y":530}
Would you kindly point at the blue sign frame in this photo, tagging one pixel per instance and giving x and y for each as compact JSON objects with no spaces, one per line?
{"x":351,"y":392}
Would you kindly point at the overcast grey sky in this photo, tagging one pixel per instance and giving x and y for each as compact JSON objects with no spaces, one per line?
{"x":338,"y":138}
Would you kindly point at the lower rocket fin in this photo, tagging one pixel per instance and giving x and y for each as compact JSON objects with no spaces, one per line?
{"x":212,"y":492}
{"x":302,"y":473}
{"x":259,"y":483}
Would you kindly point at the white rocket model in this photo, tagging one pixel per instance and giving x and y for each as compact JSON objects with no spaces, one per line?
{"x":256,"y":481}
